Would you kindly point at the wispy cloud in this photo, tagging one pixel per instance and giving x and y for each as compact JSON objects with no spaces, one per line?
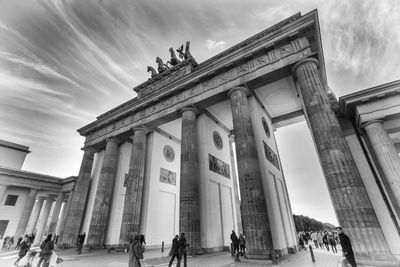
{"x":210,"y":44}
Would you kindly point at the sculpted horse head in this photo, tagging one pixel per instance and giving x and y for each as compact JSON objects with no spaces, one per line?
{"x":152,"y":70}
{"x":174,"y":60}
{"x":161,"y":66}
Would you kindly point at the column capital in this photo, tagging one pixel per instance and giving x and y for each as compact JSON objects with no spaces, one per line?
{"x":242,"y":88}
{"x":89,"y":149}
{"x":365,"y":124}
{"x":140,"y":128}
{"x":112,"y":139}
{"x":304,"y":61}
{"x":190,"y":107}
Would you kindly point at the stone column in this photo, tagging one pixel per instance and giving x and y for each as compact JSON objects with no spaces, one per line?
{"x":103,"y":198}
{"x":387,"y":157}
{"x":189,"y":199}
{"x":134,"y":186}
{"x":253,"y":207}
{"x":349,"y":197}
{"x":3,"y":190}
{"x":76,"y":201}
{"x":61,"y":224}
{"x":35,"y":215}
{"x":23,"y":221}
{"x":43,"y":221}
{"x":56,"y":213}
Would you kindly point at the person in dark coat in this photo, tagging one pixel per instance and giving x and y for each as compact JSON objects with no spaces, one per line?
{"x":18,"y":242}
{"x":46,"y":250}
{"x":79,"y":242}
{"x":174,"y":250}
{"x":23,"y":249}
{"x":182,"y":250}
{"x":325,"y":240}
{"x":235,"y":242}
{"x":346,"y":247}
{"x":242,"y":243}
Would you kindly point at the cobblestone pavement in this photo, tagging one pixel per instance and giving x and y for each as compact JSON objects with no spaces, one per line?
{"x":155,"y":258}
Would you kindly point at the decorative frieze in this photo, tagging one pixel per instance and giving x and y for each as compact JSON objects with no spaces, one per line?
{"x":271,"y":156}
{"x":218,"y":166}
{"x":167,"y":177}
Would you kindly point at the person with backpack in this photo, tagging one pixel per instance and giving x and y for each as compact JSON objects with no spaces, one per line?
{"x":46,"y":250}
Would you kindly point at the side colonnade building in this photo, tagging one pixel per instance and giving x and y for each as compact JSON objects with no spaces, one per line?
{"x":165,"y":161}
{"x":30,"y":203}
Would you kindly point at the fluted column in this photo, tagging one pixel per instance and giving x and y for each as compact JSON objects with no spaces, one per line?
{"x":253,"y":207}
{"x":103,"y":198}
{"x":35,"y":215}
{"x":349,"y":197}
{"x":61,"y":224}
{"x":134,"y":186}
{"x":189,"y":213}
{"x":43,"y":220}
{"x":77,"y":201}
{"x":56,"y":213}
{"x":3,"y":190}
{"x":28,"y":206}
{"x":387,"y":157}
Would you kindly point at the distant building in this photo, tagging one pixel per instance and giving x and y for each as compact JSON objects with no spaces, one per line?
{"x":23,"y":193}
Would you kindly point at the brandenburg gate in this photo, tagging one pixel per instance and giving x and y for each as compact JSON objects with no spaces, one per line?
{"x":165,"y":161}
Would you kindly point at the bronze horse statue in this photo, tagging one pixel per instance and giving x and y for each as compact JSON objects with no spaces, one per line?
{"x":152,"y":70}
{"x":161,"y":66}
{"x":174,"y":60}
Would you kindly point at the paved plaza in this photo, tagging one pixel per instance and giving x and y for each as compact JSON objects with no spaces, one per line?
{"x":101,"y":258}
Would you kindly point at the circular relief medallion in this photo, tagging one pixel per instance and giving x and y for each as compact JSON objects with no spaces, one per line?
{"x":266,"y":128}
{"x":169,"y":153}
{"x":217,"y":140}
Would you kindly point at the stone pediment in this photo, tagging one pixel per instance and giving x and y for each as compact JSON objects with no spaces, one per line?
{"x":167,"y":77}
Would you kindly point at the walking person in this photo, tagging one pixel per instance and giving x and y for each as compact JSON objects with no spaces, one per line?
{"x":10,"y":243}
{"x":235,"y":242}
{"x":320,"y":241}
{"x":332,"y":242}
{"x":314,"y":238}
{"x":182,"y":250}
{"x":346,"y":247}
{"x":23,"y":249}
{"x":325,"y":240}
{"x":5,"y":241}
{"x":242,"y":244}
{"x":174,"y":250}
{"x":46,"y":250}
{"x":18,"y":242}
{"x":80,"y":242}
{"x":136,"y":251}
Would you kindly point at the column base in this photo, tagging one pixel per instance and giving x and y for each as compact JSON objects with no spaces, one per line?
{"x":257,"y":256}
{"x":93,"y":247}
{"x":377,"y":260}
{"x":194,"y":251}
{"x":64,"y":246}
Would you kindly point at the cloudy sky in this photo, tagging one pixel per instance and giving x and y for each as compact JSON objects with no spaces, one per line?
{"x":62,"y":63}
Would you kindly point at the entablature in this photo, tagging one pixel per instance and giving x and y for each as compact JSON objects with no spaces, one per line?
{"x":277,"y":47}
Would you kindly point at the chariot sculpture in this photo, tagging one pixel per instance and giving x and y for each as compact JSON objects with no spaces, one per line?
{"x":184,"y":53}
